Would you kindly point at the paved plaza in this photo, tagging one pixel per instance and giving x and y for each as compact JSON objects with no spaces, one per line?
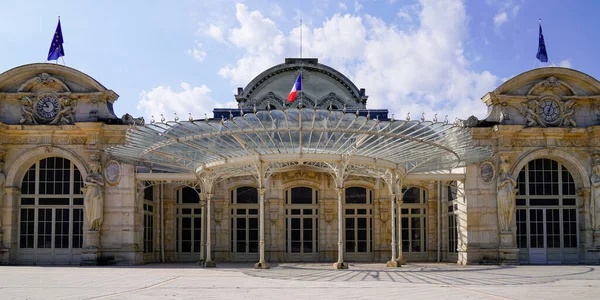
{"x":301,"y":281}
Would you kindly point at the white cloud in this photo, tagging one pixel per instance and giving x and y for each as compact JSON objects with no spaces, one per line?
{"x":357,"y":6}
{"x":423,"y":69}
{"x":197,"y":52}
{"x":216,"y":33}
{"x":566,"y":63}
{"x":342,"y":6}
{"x":276,"y":10}
{"x":515,"y":11}
{"x":500,"y":19}
{"x":166,"y":101}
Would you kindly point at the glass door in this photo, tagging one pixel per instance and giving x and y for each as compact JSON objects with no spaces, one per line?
{"x":244,"y":234}
{"x":302,"y":224}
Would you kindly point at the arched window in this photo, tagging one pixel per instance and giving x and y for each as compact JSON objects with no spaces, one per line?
{"x":51,"y":213}
{"x":188,"y":211}
{"x":546,"y":213}
{"x":414,"y":222}
{"x":244,"y":223}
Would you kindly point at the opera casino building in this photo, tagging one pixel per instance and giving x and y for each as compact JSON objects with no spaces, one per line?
{"x":321,"y":179}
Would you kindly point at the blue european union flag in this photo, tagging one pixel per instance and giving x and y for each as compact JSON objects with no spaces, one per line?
{"x":56,"y":48}
{"x":542,"y":55}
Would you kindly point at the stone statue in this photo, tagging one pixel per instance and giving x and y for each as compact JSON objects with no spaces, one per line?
{"x":94,"y":197}
{"x":530,"y":111}
{"x":507,"y":192}
{"x":66,"y":114}
{"x":27,"y":107}
{"x":595,"y":203}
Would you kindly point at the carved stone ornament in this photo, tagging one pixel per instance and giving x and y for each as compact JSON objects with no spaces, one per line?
{"x":549,"y":111}
{"x":487,"y":172}
{"x":112,"y":172}
{"x":47,"y":108}
{"x":129,"y":119}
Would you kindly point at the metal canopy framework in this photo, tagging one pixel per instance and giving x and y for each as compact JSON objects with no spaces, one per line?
{"x":315,"y":138}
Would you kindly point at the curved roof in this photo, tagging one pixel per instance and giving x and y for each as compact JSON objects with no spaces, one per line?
{"x":275,"y":83}
{"x":305,"y":135}
{"x":582,"y":80}
{"x":66,"y":74}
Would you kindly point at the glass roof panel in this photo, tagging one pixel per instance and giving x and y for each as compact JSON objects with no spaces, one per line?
{"x":187,"y":145}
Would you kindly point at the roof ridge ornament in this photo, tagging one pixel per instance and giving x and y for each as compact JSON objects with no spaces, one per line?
{"x":176,"y":118}
{"x":191,"y":119}
{"x":162,"y":118}
{"x":423,"y":117}
{"x":435,"y":118}
{"x":408,"y":116}
{"x":152,"y":121}
{"x":446,"y":120}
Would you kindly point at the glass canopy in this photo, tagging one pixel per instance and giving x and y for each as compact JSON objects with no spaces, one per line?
{"x":305,"y":135}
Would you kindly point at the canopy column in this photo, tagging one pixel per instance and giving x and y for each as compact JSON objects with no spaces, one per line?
{"x":394,"y":183}
{"x":261,"y":264}
{"x":209,"y":263}
{"x":340,"y":264}
{"x":207,"y":179}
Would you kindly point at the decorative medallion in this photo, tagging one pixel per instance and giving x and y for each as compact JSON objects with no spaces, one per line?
{"x":112,"y":172}
{"x":487,"y":172}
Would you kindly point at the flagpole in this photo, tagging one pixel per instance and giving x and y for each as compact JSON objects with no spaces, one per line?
{"x":300,"y":35}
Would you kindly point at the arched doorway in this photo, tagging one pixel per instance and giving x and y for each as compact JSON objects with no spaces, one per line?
{"x":546,"y":214}
{"x":302,"y":224}
{"x":244,"y":224}
{"x":51,"y":213}
{"x":188,"y":212}
{"x":414,"y":224}
{"x":358,"y":224}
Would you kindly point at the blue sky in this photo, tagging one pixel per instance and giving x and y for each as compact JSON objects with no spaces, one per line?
{"x":190,"y":56}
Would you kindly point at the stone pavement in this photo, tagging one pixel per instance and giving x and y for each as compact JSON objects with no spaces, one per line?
{"x":300,"y":281}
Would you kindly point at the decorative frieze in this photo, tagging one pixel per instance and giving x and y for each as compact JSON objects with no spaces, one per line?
{"x":528,"y":143}
{"x":572,"y":143}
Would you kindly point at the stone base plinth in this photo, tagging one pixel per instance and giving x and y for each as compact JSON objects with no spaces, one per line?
{"x":91,"y":249}
{"x":210,"y":264}
{"x":89,"y":257}
{"x":597,"y":239}
{"x":3,"y":256}
{"x":508,"y":256}
{"x":92,"y":240}
{"x":394,"y":264}
{"x":263,"y":266}
{"x":200,"y":262}
{"x":340,"y":265}
{"x":507,"y":239}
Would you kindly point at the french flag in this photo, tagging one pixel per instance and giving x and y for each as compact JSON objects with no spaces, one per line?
{"x":297,"y":87}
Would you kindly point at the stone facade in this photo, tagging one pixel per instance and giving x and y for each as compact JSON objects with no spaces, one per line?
{"x":483,"y":213}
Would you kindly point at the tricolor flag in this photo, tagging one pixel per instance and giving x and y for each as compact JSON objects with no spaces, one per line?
{"x":297,"y":87}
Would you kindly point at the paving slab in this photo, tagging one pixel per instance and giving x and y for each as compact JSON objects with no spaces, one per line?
{"x":300,"y":281}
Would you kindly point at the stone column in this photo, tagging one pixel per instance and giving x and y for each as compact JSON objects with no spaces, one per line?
{"x":209,"y":262}
{"x":261,"y":264}
{"x":202,"y":257}
{"x":400,"y":260}
{"x":10,"y":217}
{"x":595,"y":199}
{"x":340,"y":264}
